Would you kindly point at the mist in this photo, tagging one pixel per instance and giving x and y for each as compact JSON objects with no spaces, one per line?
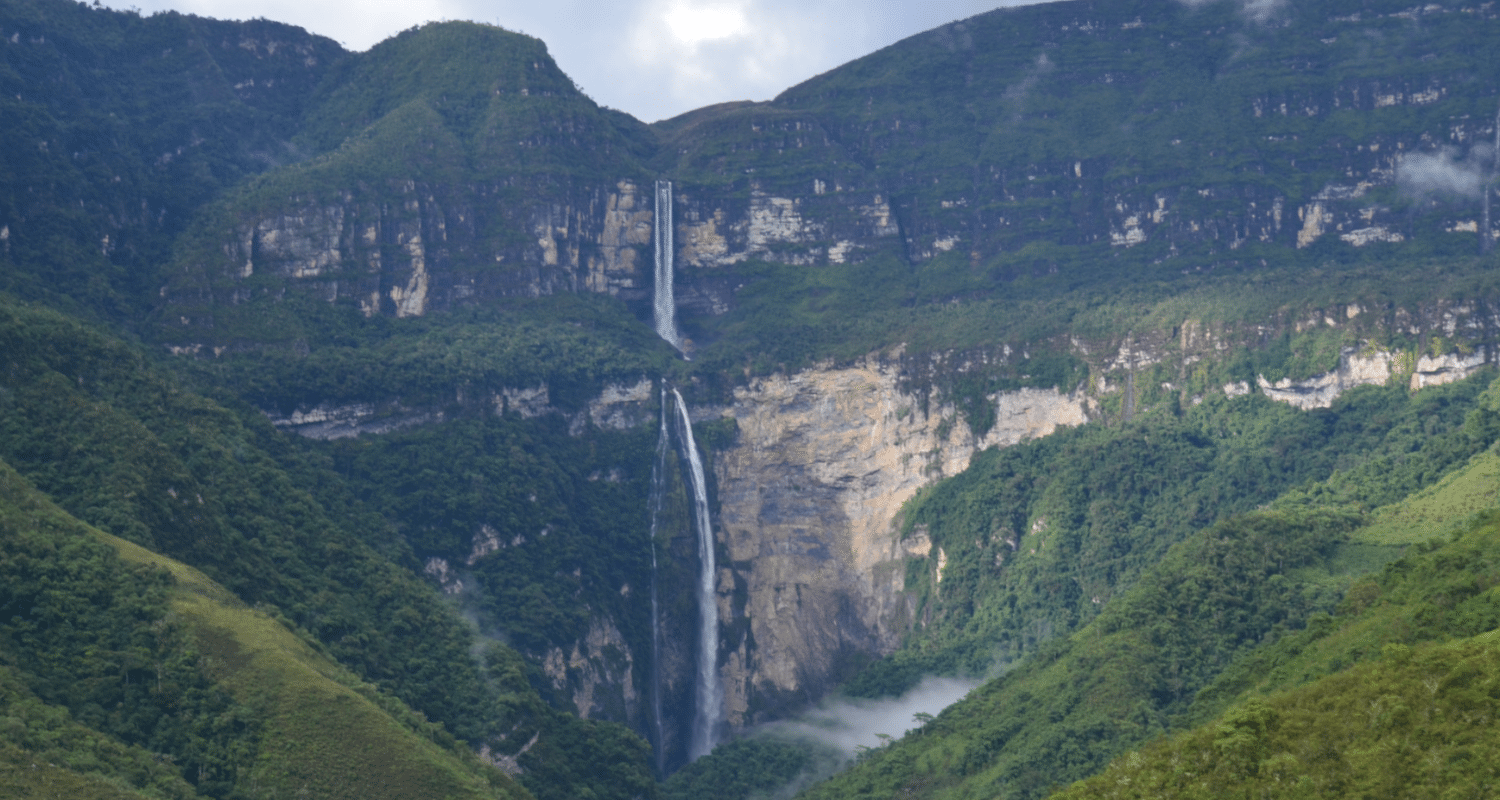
{"x":1257,"y":11}
{"x":1443,"y":172}
{"x":838,"y":731}
{"x":850,"y":724}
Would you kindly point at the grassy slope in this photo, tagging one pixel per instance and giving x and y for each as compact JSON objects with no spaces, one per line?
{"x":1435,"y":511}
{"x":1396,"y":693}
{"x":126,"y":447}
{"x":320,"y":730}
{"x":326,"y":733}
{"x":23,"y":776}
{"x":44,"y":752}
{"x":1198,"y":619}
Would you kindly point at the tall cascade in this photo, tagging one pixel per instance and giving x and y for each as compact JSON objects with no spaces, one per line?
{"x":658,"y":492}
{"x":709,"y":699}
{"x":664,"y":304}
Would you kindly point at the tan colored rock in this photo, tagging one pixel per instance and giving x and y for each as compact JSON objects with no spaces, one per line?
{"x":807,"y":496}
{"x":1315,"y":218}
{"x":411,"y":301}
{"x":598,"y":673}
{"x":1438,"y":370}
{"x":627,"y":225}
{"x":1355,"y":369}
{"x":703,"y":244}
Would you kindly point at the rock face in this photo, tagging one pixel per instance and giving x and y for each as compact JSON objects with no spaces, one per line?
{"x":598,"y":674}
{"x":811,"y":568}
{"x":617,"y":407}
{"x":1355,"y":369}
{"x":1438,"y":370}
{"x":411,"y":247}
{"x":807,"y":498}
{"x":826,"y":173}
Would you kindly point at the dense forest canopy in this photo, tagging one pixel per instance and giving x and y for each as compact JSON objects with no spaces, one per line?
{"x":1130,"y":361}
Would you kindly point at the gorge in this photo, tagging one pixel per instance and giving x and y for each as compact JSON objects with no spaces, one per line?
{"x":573,"y":451}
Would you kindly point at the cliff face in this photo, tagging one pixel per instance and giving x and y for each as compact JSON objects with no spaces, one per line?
{"x":414,"y":247}
{"x":811,"y":566}
{"x":1161,"y":135}
{"x":807,"y":497}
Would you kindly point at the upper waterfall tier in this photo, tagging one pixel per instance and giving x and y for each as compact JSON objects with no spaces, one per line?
{"x":665,"y":305}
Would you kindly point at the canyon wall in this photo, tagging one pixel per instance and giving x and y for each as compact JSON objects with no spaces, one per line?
{"x":811,"y":564}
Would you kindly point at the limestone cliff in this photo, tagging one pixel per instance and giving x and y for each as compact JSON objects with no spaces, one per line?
{"x":807,"y":496}
{"x":411,"y":247}
{"x":1305,"y":160}
{"x":811,"y":572}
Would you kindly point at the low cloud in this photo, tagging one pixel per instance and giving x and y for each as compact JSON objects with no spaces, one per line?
{"x":1443,"y":172}
{"x":848,"y":725}
{"x":838,"y":731}
{"x":1258,"y":11}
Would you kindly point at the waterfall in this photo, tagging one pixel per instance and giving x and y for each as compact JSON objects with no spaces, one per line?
{"x":664,"y":304}
{"x":658,"y":493}
{"x":708,"y":698}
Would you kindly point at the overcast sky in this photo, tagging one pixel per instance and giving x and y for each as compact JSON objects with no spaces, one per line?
{"x":652,"y":58}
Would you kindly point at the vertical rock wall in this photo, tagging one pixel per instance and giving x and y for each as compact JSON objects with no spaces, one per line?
{"x":807,"y":498}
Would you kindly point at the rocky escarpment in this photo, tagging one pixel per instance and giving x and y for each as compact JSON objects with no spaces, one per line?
{"x":810,"y":492}
{"x":811,"y":567}
{"x":1308,"y":148}
{"x":807,"y":495}
{"x":410,"y":248}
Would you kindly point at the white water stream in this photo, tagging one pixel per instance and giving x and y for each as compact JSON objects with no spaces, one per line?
{"x":664,"y":305}
{"x":658,"y":492}
{"x":709,"y":701}
{"x":708,"y":698}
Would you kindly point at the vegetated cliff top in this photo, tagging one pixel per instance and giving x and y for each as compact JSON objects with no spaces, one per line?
{"x":498,"y":92}
{"x":1099,"y":96}
{"x":1075,"y":143}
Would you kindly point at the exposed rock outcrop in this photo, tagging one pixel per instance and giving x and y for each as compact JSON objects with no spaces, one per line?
{"x":1355,"y":369}
{"x":617,"y":407}
{"x":597,"y":674}
{"x":1438,"y":370}
{"x":807,"y":497}
{"x":328,"y":421}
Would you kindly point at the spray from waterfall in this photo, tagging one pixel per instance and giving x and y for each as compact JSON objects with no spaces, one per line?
{"x":664,"y":304}
{"x":708,"y":698}
{"x":658,"y":494}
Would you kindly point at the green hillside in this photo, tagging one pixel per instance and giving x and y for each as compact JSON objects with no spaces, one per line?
{"x":175,"y":472}
{"x":1389,"y":694}
{"x":331,"y":400}
{"x":1179,"y":616}
{"x":267,"y":712}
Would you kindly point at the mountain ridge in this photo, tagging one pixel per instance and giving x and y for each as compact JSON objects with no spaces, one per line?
{"x":931,"y":279}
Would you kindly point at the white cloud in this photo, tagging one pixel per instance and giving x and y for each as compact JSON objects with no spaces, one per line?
{"x":694,"y":23}
{"x":848,"y":725}
{"x":1443,"y":172}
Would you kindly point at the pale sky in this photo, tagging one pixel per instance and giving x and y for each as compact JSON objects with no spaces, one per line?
{"x":652,"y":58}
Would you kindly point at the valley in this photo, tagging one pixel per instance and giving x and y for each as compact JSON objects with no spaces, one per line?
{"x":403,"y":423}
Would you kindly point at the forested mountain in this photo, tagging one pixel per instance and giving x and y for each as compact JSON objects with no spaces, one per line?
{"x":1129,"y":360}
